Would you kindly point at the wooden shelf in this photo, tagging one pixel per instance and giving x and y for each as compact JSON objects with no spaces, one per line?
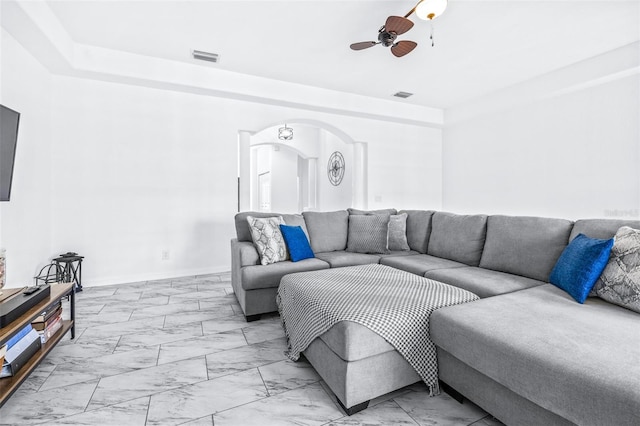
{"x":9,"y":385}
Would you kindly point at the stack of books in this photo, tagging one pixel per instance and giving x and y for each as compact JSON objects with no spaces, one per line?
{"x":49,"y":322}
{"x":19,"y":349}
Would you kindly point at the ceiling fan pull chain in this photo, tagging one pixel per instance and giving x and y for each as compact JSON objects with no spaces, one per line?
{"x":433,"y":43}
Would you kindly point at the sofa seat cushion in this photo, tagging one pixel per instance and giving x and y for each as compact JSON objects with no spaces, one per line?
{"x":578,"y":361}
{"x":483,"y":282}
{"x":526,"y":246}
{"x":338,"y":259}
{"x":352,"y":341}
{"x":268,"y":276}
{"x":419,"y":264}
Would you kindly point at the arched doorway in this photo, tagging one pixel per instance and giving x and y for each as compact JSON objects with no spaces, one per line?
{"x":292,"y":175}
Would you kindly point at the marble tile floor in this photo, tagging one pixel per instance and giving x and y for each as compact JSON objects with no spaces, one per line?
{"x":179,"y":351}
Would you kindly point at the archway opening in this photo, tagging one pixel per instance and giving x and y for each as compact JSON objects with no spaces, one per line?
{"x":301,"y":174}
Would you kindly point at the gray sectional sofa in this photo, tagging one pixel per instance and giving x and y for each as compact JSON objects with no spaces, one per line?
{"x":526,"y":352}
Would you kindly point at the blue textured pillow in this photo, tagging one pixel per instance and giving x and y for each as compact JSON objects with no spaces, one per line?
{"x":580,"y":266}
{"x":297,"y":242}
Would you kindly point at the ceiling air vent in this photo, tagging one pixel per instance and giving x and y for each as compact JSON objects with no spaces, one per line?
{"x":403,"y":95}
{"x":206,"y":56}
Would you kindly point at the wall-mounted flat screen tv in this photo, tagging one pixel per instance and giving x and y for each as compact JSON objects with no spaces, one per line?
{"x":9,"y":121}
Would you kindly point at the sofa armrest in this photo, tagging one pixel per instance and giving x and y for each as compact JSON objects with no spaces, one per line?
{"x":246,"y":253}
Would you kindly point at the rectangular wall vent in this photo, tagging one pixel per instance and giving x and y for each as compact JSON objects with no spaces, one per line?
{"x":403,"y":95}
{"x":206,"y":56}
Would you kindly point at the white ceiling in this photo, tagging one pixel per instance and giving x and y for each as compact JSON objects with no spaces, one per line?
{"x":481,"y":45}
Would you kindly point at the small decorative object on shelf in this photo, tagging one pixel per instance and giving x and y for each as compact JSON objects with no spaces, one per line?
{"x":70,"y":264}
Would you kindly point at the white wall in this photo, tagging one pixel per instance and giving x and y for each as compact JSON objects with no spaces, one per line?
{"x":562,"y":145}
{"x":26,"y":221}
{"x":150,"y":174}
{"x":331,"y":197}
{"x":120,"y":173}
{"x":404,"y":174}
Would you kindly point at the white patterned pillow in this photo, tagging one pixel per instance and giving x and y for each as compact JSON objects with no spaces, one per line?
{"x":620,"y":280}
{"x":266,"y":236}
{"x":398,"y":232}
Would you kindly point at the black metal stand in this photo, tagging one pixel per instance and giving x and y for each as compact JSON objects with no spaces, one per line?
{"x":71,"y":270}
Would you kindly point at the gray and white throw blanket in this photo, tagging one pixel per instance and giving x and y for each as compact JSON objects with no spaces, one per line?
{"x":394,"y":304}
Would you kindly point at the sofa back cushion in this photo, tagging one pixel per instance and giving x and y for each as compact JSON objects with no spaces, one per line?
{"x":601,"y":228}
{"x":243,"y":232}
{"x":418,"y":229}
{"x":457,"y":237}
{"x":526,"y":246}
{"x":327,"y":230}
{"x":379,"y":211}
{"x":296,"y":220}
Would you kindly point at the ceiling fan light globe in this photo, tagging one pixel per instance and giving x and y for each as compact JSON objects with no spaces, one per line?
{"x":430,"y":9}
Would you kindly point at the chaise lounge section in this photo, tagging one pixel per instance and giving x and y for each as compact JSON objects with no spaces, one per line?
{"x":535,"y":356}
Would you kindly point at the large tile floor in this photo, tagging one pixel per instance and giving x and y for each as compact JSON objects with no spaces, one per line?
{"x":179,"y":352}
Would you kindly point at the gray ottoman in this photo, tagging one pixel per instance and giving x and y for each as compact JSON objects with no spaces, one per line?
{"x":365,"y":329}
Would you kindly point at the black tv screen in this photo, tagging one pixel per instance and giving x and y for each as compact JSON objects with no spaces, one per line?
{"x":9,"y":121}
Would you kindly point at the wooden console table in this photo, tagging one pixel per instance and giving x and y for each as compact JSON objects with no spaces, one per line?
{"x":9,"y":385}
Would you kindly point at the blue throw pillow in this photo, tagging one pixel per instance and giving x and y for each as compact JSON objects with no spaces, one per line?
{"x":580,"y":265}
{"x":297,"y":242}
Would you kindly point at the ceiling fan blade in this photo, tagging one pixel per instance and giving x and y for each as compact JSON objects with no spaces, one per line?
{"x":362,"y":45}
{"x":403,"y":47}
{"x":398,"y":25}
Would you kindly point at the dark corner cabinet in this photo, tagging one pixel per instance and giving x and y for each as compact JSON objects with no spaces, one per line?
{"x":8,"y":385}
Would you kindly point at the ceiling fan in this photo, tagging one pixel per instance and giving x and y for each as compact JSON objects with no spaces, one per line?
{"x":387,"y":35}
{"x":397,"y":25}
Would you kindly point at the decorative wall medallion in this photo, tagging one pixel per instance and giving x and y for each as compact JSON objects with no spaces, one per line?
{"x":335,"y":168}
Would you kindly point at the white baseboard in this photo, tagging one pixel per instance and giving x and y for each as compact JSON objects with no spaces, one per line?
{"x":124,"y":279}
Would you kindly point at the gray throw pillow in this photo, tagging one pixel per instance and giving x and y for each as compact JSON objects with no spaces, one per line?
{"x":368,"y":233}
{"x":398,"y":232}
{"x":267,"y":237}
{"x":620,"y":280}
